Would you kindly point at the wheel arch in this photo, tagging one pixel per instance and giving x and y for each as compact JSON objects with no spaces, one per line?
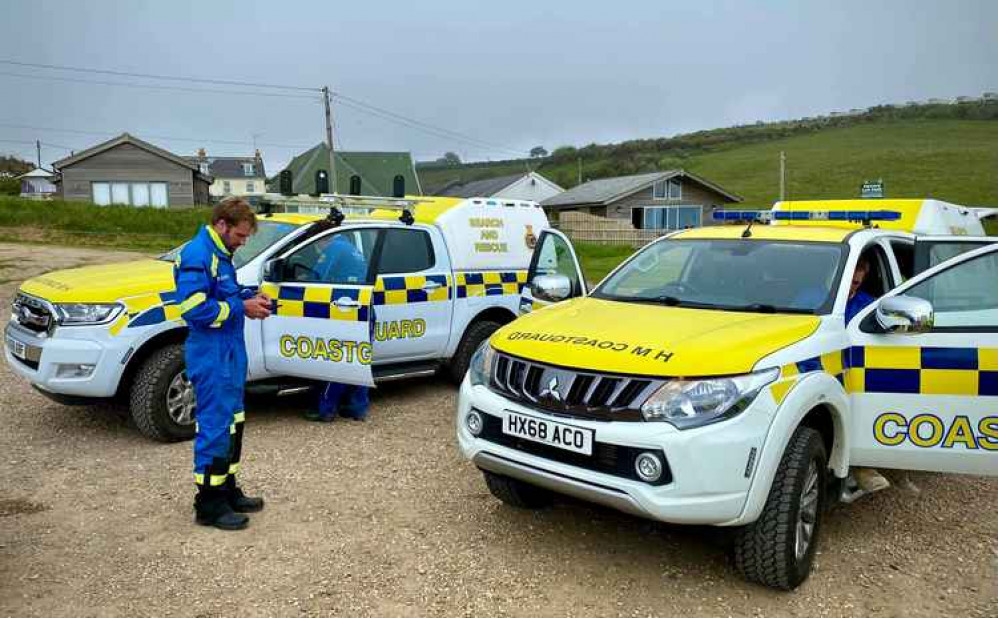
{"x":817,"y":401}
{"x":165,"y":337}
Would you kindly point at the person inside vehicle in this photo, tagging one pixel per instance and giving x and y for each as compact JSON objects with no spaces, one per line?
{"x":342,"y":262}
{"x":869,"y":480}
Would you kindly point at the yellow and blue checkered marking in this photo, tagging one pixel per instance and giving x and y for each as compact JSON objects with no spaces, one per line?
{"x":490,"y":283}
{"x":299,"y":301}
{"x":911,"y":370}
{"x":403,"y":290}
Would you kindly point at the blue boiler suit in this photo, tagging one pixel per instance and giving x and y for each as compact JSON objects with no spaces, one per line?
{"x":342,"y":262}
{"x":211,"y":302}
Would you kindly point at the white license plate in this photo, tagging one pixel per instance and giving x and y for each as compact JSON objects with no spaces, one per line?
{"x":17,"y":348}
{"x":552,"y":433}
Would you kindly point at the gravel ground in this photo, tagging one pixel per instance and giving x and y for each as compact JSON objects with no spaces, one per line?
{"x":385,"y":518}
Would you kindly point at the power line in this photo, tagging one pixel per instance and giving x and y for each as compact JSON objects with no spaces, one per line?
{"x":160,"y":137}
{"x":203,"y":80}
{"x":157,"y":86}
{"x":419,"y":125}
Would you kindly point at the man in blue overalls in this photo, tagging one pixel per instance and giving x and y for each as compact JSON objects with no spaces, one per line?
{"x":342,"y":262}
{"x":214,"y":306}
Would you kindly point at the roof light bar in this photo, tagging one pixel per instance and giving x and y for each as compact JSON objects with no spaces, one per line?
{"x":857,"y":216}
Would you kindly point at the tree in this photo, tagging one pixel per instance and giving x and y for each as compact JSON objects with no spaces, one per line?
{"x":538,"y":151}
{"x":450,"y":158}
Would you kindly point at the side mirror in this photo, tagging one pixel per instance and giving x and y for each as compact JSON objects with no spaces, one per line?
{"x":273,"y":271}
{"x":905,"y":314}
{"x":552,"y":288}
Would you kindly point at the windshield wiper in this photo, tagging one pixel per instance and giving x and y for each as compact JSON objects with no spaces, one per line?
{"x":767,"y":308}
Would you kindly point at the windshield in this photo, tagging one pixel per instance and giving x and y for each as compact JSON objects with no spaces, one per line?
{"x":267,"y":233}
{"x":741,"y":275}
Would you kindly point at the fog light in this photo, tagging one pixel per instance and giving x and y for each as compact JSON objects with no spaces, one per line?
{"x":74,"y":371}
{"x":474,"y":422}
{"x":648,"y":466}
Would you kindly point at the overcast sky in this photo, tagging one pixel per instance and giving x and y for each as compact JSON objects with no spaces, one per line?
{"x":506,"y":76}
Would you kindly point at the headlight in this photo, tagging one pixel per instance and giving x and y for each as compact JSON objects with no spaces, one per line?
{"x":81,"y":313}
{"x":693,"y":403}
{"x":480,"y":368}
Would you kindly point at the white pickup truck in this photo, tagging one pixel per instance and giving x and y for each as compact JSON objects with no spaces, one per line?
{"x":441,"y":278}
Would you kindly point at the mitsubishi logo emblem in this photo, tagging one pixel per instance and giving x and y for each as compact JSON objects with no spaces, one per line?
{"x":552,"y":392}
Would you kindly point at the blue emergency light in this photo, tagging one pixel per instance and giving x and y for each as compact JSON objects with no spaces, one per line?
{"x":857,"y":216}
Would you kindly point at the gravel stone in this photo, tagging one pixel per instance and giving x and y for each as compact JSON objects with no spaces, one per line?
{"x":385,"y":519}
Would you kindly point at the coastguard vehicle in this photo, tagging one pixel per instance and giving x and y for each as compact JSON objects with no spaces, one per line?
{"x":442,"y":275}
{"x":712,"y":377}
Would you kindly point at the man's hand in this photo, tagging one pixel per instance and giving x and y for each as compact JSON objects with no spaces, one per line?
{"x":257,"y":308}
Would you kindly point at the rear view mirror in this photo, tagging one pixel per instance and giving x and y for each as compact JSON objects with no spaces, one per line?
{"x":905,"y":314}
{"x":552,"y":288}
{"x":273,"y":271}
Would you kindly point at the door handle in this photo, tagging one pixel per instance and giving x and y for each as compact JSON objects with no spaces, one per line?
{"x":432,"y":285}
{"x":345,"y":302}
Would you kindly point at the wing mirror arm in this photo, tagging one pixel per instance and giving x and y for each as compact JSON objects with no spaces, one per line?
{"x":905,"y":314}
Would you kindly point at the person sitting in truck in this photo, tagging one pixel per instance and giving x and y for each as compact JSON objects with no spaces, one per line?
{"x":869,"y":480}
{"x":342,"y":262}
{"x":858,"y":299}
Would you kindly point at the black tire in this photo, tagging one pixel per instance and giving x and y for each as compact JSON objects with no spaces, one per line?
{"x":517,"y":493}
{"x":147,"y":398}
{"x":766,"y":551}
{"x":473,"y":337}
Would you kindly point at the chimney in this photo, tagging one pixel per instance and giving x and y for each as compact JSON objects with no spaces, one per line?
{"x":202,"y":155}
{"x":257,"y":155}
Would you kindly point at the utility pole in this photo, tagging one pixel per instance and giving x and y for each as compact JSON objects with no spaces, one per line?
{"x":783,"y":175}
{"x":329,"y":138}
{"x":580,"y":170}
{"x":38,"y":152}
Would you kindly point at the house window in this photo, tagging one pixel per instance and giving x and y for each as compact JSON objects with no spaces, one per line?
{"x":226,"y":187}
{"x":670,"y":217}
{"x":249,"y":169}
{"x":130,"y":193}
{"x":250,"y":187}
{"x":669,"y":189}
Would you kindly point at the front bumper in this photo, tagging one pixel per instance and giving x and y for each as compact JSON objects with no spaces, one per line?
{"x":711,"y":467}
{"x":52,"y":363}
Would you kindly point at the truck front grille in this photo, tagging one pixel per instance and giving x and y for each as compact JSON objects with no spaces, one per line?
{"x":31,"y":313}
{"x":572,"y":393}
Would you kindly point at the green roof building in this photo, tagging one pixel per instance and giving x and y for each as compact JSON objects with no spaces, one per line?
{"x":373,"y":172}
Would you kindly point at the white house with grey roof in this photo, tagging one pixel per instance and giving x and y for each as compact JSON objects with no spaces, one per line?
{"x":241,"y":176}
{"x":530,"y":186}
{"x":669,"y":200}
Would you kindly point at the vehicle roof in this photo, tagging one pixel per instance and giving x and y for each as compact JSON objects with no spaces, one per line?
{"x":761,"y":231}
{"x":427,"y":211}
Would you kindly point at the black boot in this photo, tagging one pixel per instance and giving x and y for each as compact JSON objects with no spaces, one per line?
{"x":211,"y":508}
{"x":238,"y":501}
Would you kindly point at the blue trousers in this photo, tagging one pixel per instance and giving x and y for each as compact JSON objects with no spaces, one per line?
{"x":216,"y":367}
{"x":345,"y":399}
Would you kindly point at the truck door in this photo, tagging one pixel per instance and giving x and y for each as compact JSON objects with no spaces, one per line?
{"x":321,"y":327}
{"x":933,"y":250}
{"x":929,"y":401}
{"x":553,"y":255}
{"x":412,"y":296}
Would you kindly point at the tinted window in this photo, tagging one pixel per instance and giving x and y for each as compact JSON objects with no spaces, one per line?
{"x":405,"y":251}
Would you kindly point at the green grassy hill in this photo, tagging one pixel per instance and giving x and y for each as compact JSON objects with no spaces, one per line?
{"x":950,"y":157}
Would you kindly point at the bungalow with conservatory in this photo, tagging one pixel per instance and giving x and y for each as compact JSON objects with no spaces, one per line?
{"x":669,"y":200}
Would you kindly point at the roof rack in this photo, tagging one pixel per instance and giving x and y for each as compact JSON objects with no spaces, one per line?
{"x":338,"y":204}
